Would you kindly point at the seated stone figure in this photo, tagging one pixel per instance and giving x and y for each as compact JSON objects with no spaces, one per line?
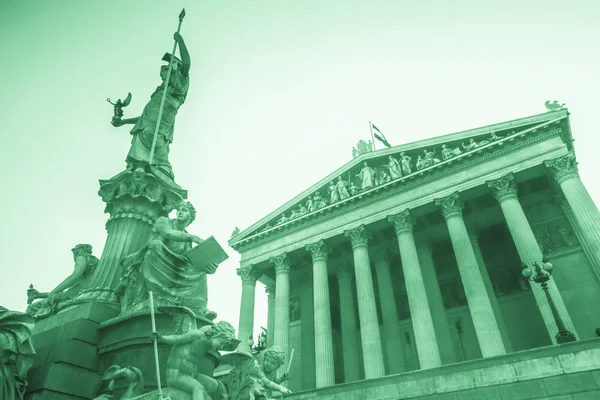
{"x":162,"y":267}
{"x":16,"y":353}
{"x":254,"y":379}
{"x":53,"y":301}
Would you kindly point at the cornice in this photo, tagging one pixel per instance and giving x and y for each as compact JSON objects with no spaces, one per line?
{"x":435,"y":172}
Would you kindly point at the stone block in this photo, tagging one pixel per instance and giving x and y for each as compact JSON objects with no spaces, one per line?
{"x":580,"y":361}
{"x":81,"y":329}
{"x":416,"y":387}
{"x":454,"y":381}
{"x":537,"y":368}
{"x":494,"y":375}
{"x":74,"y":352}
{"x":442,"y":396}
{"x":533,"y":389}
{"x":593,"y":395}
{"x":596,"y":375}
{"x":64,"y":378}
{"x":95,"y":312}
{"x":487,"y":393}
{"x":571,"y":383}
{"x":383,"y":392}
{"x":50,"y":395}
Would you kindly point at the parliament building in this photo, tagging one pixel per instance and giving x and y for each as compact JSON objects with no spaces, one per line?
{"x":461,"y":266}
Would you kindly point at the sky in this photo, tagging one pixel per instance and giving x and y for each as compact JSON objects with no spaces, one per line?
{"x":280,"y":92}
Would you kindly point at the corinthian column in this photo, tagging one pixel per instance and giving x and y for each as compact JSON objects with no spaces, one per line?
{"x":282,"y":305}
{"x":436,"y":302}
{"x":249,"y":275}
{"x":486,"y":326}
{"x":420,"y":313}
{"x":367,"y":310}
{"x":322,"y":313}
{"x":565,"y":173}
{"x":391,"y":326}
{"x":350,"y":343}
{"x":505,"y":191}
{"x":307,"y":331}
{"x":270,"y":290}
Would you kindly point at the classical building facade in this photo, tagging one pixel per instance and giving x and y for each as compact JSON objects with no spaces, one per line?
{"x":410,"y":258}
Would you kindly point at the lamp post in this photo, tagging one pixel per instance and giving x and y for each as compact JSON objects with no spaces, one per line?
{"x":541,"y":274}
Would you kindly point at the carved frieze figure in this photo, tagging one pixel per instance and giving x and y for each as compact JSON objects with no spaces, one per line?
{"x":161,"y":266}
{"x":554,"y":105}
{"x":430,"y":158}
{"x":51,"y":302}
{"x":494,"y":137}
{"x":367,"y":176}
{"x":298,"y":211}
{"x":342,"y":188}
{"x":16,"y":353}
{"x":566,"y":235}
{"x":334,"y":197}
{"x":394,"y":167}
{"x":145,"y":125}
{"x":282,"y":220}
{"x":294,"y":310}
{"x":405,"y":162}
{"x":353,"y":189}
{"x":448,"y":153}
{"x":362,"y":147}
{"x":254,"y":378}
{"x":309,"y":204}
{"x":384,"y":177}
{"x":318,"y":201}
{"x":420,"y":163}
{"x":542,"y":236}
{"x":471,"y":146}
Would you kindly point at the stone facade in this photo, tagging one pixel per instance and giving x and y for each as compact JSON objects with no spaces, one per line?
{"x":423,"y":270}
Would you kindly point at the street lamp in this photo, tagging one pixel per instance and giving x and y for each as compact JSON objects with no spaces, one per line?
{"x":541,"y":274}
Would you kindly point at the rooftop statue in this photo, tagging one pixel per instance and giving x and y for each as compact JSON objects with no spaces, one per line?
{"x":161,"y":266}
{"x":51,"y":302}
{"x":554,"y":105}
{"x":254,"y":379}
{"x":153,"y":130}
{"x":362,"y":147}
{"x":16,"y":353}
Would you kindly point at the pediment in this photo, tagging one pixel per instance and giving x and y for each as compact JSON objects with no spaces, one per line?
{"x":374,"y":172}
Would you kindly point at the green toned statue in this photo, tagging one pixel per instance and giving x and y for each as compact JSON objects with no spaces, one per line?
{"x":16,"y":353}
{"x":51,"y":302}
{"x":163,"y":268}
{"x":254,"y":379}
{"x":145,"y":125}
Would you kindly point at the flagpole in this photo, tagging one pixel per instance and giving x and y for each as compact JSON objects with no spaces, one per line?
{"x":164,"y":94}
{"x":372,"y":136}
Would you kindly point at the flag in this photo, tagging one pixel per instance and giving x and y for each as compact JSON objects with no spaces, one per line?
{"x":380,"y":136}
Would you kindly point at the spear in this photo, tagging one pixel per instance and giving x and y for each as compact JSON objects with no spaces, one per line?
{"x":160,"y":393}
{"x":166,"y":87}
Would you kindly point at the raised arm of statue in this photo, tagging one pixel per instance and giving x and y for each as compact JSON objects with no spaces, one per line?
{"x":185,"y":338}
{"x":116,"y":121}
{"x":164,"y":228}
{"x":186,"y":62}
{"x":79,"y":270}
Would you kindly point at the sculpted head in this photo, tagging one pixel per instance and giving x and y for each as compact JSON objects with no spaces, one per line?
{"x":221,"y":334}
{"x":186,"y":213}
{"x":273,"y":358}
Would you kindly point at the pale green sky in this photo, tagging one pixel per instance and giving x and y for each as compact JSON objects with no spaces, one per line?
{"x":280,"y":92}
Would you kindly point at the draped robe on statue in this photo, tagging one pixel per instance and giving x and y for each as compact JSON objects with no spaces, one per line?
{"x":161,"y":267}
{"x":16,"y":353}
{"x":143,"y":130}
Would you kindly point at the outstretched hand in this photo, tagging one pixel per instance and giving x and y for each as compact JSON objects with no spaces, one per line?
{"x":116,"y":122}
{"x":155,"y":336}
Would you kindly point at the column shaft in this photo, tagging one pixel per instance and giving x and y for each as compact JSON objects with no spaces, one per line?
{"x":350,"y":342}
{"x":325,"y":371}
{"x":391,"y":326}
{"x":436,"y":303}
{"x":249,"y":276}
{"x":282,"y":306}
{"x":307,"y":331}
{"x":270,"y":315}
{"x":505,"y":192}
{"x":486,"y":326}
{"x":367,"y":310}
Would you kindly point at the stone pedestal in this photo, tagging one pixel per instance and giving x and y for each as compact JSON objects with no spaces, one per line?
{"x":486,"y":326}
{"x":134,"y":199}
{"x":367,"y":310}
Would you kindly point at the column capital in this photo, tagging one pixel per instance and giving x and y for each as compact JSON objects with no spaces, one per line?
{"x":358,"y":236}
{"x":450,"y":206}
{"x":503,"y":188}
{"x":344,"y":272}
{"x":270,"y":290}
{"x":281,"y":263}
{"x":382,"y":264}
{"x":563,"y":168}
{"x":318,"y":250}
{"x":402,"y":221}
{"x":249,"y":274}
